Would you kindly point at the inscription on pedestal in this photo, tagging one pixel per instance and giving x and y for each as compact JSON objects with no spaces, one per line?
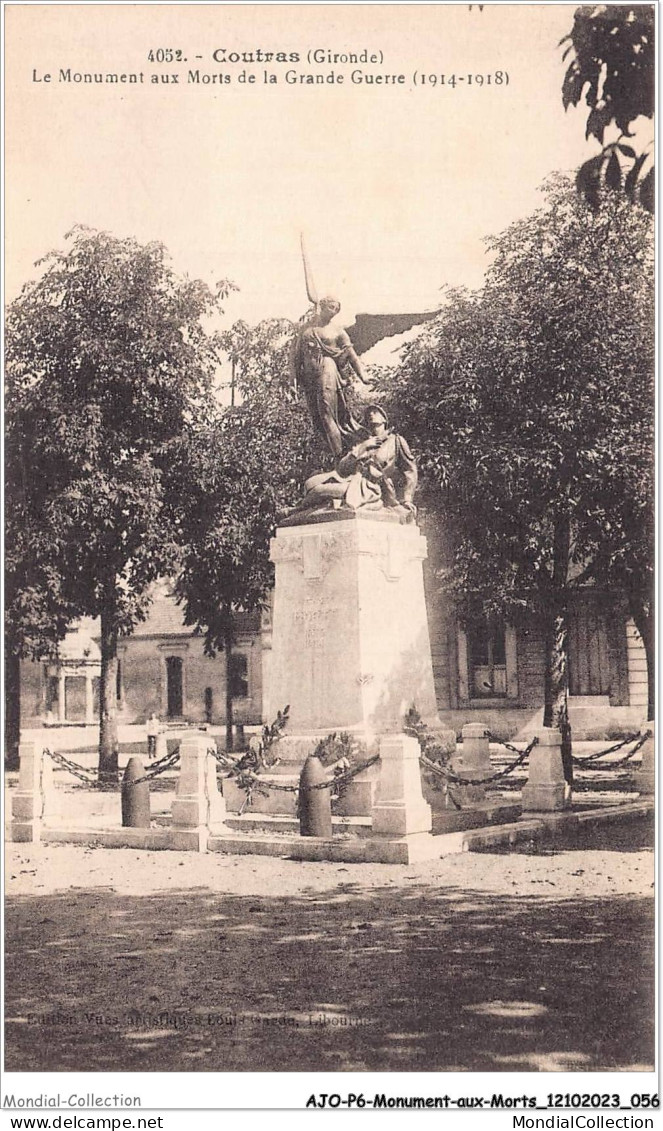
{"x":313,"y":621}
{"x":350,"y":644}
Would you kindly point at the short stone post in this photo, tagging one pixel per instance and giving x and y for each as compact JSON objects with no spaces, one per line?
{"x":472,"y":761}
{"x":135,"y":797}
{"x":645,"y":777}
{"x":33,"y":800}
{"x":198,"y":804}
{"x":315,"y":815}
{"x":399,"y":809}
{"x":546,"y":787}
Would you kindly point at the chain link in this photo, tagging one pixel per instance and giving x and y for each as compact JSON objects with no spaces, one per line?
{"x":449,"y":775}
{"x":255,"y":781}
{"x":80,"y":772}
{"x":502,"y":742}
{"x":591,"y":758}
{"x":167,"y":762}
{"x":642,"y":738}
{"x":347,"y":775}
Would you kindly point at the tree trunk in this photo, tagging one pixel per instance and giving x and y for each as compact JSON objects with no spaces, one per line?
{"x":12,"y":706}
{"x":556,"y":688}
{"x":108,"y":744}
{"x":228,"y":646}
{"x":556,"y":684}
{"x":643,"y":615}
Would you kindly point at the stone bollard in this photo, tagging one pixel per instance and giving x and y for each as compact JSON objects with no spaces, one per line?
{"x":472,"y":760}
{"x":198,"y":805}
{"x":135,"y":798}
{"x":315,"y":816}
{"x":644,"y":778}
{"x":399,"y":807}
{"x":32,"y":802}
{"x":546,"y":788}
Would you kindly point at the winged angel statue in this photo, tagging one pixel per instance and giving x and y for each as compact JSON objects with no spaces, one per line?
{"x":327,"y":361}
{"x":374,"y":467}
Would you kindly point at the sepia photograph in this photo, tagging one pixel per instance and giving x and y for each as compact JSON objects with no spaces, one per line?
{"x":329,"y":466}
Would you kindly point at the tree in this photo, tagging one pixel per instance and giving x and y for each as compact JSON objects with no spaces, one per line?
{"x":37,"y":613}
{"x":108,"y":356}
{"x":236,"y":477}
{"x":612,"y":49}
{"x":531,"y":405}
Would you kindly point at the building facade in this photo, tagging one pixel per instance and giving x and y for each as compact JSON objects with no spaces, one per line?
{"x":488,"y":673}
{"x":162,"y":669}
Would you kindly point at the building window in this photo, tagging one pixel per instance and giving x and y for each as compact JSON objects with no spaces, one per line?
{"x":174,"y":687}
{"x":487,"y":659}
{"x":487,"y":662}
{"x":209,"y":704}
{"x":239,"y":675}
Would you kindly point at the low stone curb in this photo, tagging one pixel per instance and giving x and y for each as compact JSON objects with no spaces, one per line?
{"x":537,"y":827}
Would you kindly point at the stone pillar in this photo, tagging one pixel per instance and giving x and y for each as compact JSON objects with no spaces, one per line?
{"x":32,"y":800}
{"x":472,"y":761}
{"x":197,"y":803}
{"x":546,"y":788}
{"x":62,"y":703}
{"x":399,"y":809}
{"x":645,"y":777}
{"x":350,"y":643}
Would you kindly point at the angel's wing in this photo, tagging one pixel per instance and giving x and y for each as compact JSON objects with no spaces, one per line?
{"x":311,"y":289}
{"x":368,"y":329}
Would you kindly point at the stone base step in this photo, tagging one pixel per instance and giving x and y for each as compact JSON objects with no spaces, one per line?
{"x":277,"y":824}
{"x":350,"y":850}
{"x":451,"y":821}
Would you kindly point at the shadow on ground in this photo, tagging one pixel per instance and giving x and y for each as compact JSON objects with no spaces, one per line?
{"x":414,"y":979}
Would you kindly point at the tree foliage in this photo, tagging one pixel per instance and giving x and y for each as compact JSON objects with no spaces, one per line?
{"x":612,"y":66}
{"x":108,"y":356}
{"x":531,"y":406}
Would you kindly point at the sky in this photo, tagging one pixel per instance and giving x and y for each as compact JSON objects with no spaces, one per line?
{"x":395,"y":184}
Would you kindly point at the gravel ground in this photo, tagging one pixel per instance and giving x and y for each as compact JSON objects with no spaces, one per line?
{"x":163,"y":961}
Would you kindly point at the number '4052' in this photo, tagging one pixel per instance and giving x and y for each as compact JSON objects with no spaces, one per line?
{"x":165,"y":55}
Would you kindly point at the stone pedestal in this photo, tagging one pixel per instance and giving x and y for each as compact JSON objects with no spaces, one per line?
{"x":350,"y":643}
{"x":645,"y":777}
{"x":198,"y":805}
{"x":399,"y":808}
{"x":471,"y":762}
{"x":32,"y":800}
{"x":546,"y":788}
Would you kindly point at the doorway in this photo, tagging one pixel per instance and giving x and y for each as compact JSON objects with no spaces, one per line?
{"x":174,"y":697}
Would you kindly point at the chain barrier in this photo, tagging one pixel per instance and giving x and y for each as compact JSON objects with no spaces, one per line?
{"x":167,"y":762}
{"x":502,"y":742}
{"x":347,"y":775}
{"x":253,"y":782}
{"x":612,"y":750}
{"x":592,"y":758}
{"x":80,"y":772}
{"x":449,"y":775}
{"x":226,"y":761}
